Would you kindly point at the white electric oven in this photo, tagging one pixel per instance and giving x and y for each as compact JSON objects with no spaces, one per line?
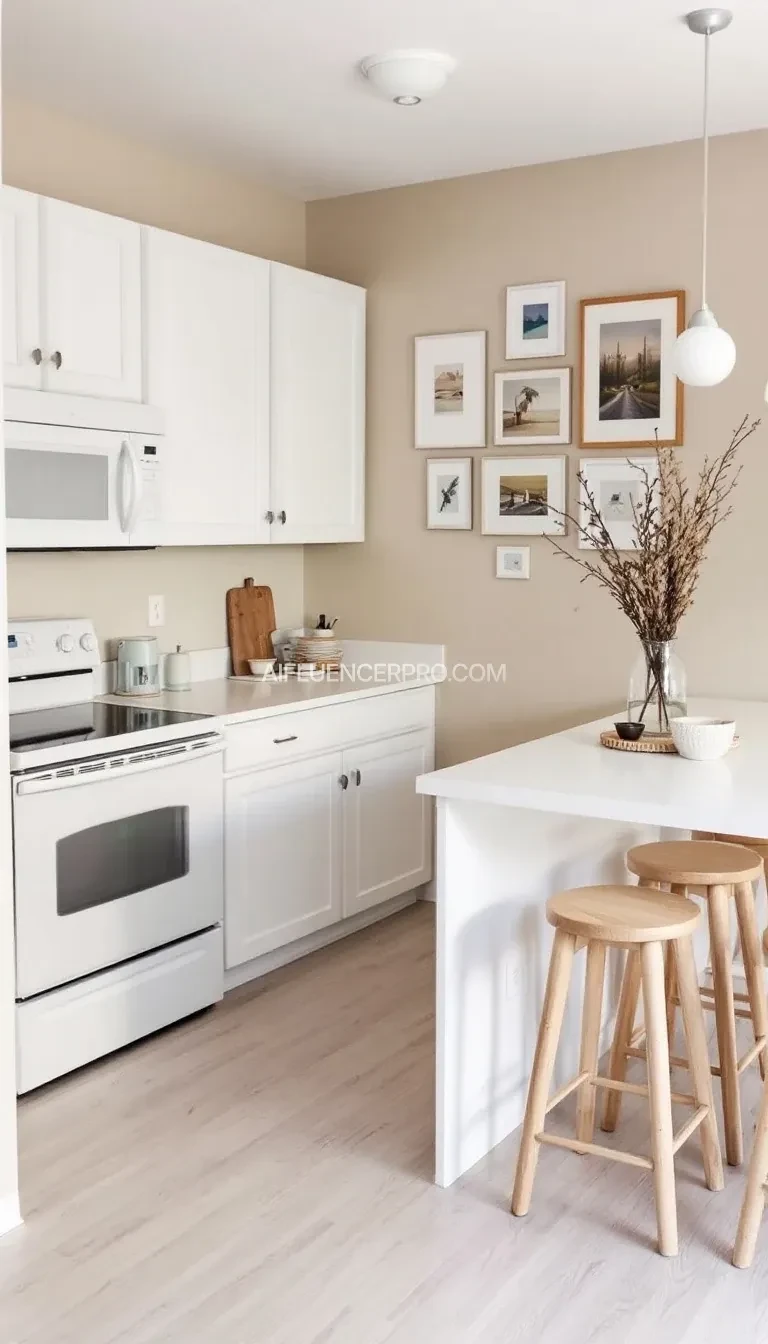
{"x":115,"y":855}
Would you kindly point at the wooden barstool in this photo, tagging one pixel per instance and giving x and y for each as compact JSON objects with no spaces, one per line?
{"x":754,"y":1196}
{"x":616,"y":916}
{"x":722,"y":870}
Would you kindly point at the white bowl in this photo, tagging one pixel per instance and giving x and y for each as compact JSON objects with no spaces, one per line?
{"x":700,"y":739}
{"x":261,"y":667}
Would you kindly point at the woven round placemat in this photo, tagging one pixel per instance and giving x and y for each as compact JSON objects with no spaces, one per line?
{"x":660,"y":743}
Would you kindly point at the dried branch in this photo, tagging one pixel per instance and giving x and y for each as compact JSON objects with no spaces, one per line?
{"x":654,"y":585}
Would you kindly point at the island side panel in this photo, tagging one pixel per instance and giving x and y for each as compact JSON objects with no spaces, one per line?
{"x":496,"y":866}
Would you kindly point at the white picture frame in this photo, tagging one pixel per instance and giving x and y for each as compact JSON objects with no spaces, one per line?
{"x":449,"y":390}
{"x":449,"y":493}
{"x":630,"y":396}
{"x":523,"y":496}
{"x":539,"y":400}
{"x":513,"y":562}
{"x":615,"y":482}
{"x":535,"y":320}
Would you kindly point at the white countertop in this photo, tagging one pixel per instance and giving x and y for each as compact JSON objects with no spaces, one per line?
{"x":572,"y":774}
{"x":238,"y":700}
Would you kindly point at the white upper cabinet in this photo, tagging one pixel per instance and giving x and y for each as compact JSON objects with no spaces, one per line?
{"x":91,"y":302}
{"x":207,"y":367}
{"x":317,"y":408}
{"x":71,"y":298}
{"x":22,"y":352}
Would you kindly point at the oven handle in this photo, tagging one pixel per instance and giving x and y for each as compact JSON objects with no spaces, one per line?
{"x":48,"y":783}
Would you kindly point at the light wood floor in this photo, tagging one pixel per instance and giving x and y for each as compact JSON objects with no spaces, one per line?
{"x":261,"y":1175}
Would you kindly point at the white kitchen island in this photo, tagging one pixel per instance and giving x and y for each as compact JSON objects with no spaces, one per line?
{"x":513,"y":828}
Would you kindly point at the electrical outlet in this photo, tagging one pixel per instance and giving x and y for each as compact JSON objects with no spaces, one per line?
{"x":157,"y":610}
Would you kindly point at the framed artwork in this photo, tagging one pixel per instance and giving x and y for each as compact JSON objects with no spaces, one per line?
{"x":618,"y":487}
{"x":532,"y":406}
{"x":523,"y":496}
{"x":536,"y":320}
{"x":629,"y":393}
{"x":449,"y":492}
{"x":513,"y":562}
{"x":450,"y":390}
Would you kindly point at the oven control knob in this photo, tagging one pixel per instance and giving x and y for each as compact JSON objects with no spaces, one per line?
{"x":88,"y":642}
{"x":65,"y":643}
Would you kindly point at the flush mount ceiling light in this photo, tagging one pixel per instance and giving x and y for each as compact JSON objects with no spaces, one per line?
{"x":406,"y":77}
{"x":704,"y":354}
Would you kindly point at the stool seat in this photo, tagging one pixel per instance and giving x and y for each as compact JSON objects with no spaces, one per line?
{"x":696,"y":863}
{"x":618,"y":914}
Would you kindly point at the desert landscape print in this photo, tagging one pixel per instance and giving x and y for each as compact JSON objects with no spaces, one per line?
{"x":531,"y":406}
{"x":449,"y":388}
{"x":630,"y":370}
{"x":522,"y":496}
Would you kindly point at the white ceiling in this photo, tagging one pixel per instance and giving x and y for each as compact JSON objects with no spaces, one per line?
{"x":271,"y":86}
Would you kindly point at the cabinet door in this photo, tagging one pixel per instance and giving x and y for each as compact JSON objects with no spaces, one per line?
{"x":208,"y":368}
{"x":387,"y":824}
{"x":283,"y":864}
{"x":91,"y":302}
{"x":318,"y":408}
{"x":21,"y":294}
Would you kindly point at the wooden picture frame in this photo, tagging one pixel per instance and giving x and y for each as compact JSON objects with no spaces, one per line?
{"x":629,"y":395}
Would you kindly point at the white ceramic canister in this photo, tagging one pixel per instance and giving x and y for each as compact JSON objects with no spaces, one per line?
{"x":177,"y":672}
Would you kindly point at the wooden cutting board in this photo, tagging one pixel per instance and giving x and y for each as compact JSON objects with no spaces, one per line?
{"x":250,"y":622}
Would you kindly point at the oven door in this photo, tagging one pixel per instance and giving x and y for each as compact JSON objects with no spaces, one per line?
{"x":118,"y":856}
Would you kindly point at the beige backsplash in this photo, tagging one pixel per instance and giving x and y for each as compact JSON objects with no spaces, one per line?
{"x":113,"y":586}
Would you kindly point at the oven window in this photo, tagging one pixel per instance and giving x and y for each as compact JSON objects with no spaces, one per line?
{"x":119,"y":858}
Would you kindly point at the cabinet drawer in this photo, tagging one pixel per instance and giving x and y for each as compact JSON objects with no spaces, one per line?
{"x":289,"y":736}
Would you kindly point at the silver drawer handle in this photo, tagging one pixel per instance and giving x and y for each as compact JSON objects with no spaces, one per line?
{"x":292,"y":738}
{"x":358,"y":778}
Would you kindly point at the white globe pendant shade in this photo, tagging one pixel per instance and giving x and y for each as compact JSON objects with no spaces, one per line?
{"x":703,"y":355}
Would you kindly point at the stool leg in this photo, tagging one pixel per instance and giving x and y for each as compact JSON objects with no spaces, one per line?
{"x":552,"y":1013}
{"x":725,"y":1021}
{"x":754,"y":1195}
{"x":654,"y":1005}
{"x":622,"y":1034}
{"x":591,"y":1019}
{"x":752,"y":957}
{"x":670,"y":985}
{"x":698,"y":1056}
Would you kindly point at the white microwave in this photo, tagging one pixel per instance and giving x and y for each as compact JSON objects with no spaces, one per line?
{"x":74,"y":489}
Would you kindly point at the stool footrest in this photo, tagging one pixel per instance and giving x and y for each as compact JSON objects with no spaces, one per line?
{"x":676,"y":1060}
{"x":566,"y":1091}
{"x":641,"y":1090}
{"x":685,"y":1131}
{"x":752,"y":1053}
{"x":597,"y":1150}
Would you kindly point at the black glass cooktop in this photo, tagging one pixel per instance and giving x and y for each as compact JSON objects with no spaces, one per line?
{"x":89,"y":722}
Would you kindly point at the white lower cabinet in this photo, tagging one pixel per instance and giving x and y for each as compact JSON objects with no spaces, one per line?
{"x":283,"y":855}
{"x":387,"y":824}
{"x":319,"y":839}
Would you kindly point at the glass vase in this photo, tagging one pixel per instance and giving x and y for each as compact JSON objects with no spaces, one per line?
{"x":657,"y":687}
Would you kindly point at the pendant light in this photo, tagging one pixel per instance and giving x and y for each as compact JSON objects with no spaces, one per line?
{"x":703,"y":355}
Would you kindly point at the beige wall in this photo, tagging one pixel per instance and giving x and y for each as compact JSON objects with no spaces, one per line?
{"x":49,"y":153}
{"x":436,"y":258}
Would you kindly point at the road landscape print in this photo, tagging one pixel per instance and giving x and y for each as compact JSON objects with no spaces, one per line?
{"x":523,"y":496}
{"x":449,"y":388}
{"x":630,"y":370}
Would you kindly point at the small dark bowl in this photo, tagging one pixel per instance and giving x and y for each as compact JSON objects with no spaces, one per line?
{"x":629,"y":731}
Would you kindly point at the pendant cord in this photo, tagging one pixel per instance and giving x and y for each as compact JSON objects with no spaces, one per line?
{"x":705,"y":195}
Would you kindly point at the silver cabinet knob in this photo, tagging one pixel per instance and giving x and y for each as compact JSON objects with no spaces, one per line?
{"x":56,"y":359}
{"x":37,"y":355}
{"x":269,"y":515}
{"x":358,"y":777}
{"x":282,"y":515}
{"x":344,"y":781}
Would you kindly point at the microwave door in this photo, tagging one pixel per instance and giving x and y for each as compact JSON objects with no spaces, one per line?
{"x":64,"y":487}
